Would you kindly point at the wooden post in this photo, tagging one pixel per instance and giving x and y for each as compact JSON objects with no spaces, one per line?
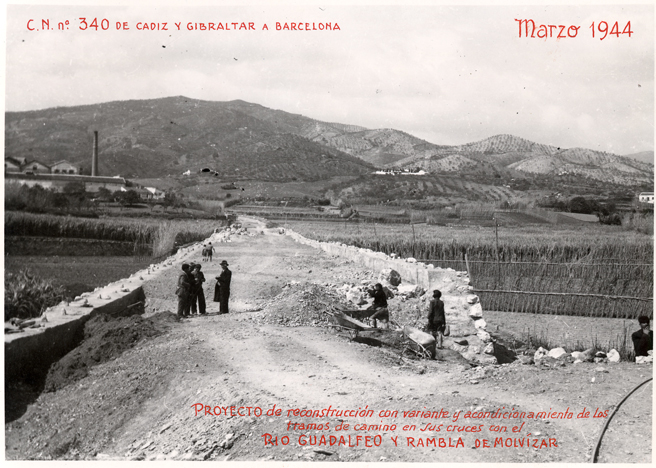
{"x":414,"y":239}
{"x":496,"y":233}
{"x":376,"y":235}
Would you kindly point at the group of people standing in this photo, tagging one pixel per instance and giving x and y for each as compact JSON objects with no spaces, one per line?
{"x":191,"y":297}
{"x":208,"y":250}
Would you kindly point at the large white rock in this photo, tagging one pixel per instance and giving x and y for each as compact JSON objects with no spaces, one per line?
{"x":411,"y":260}
{"x":557,"y":353}
{"x":526,"y":360}
{"x":613,"y":356}
{"x":472,"y":299}
{"x":476,"y":311}
{"x":540,"y":353}
{"x":644,"y":359}
{"x":484,"y":336}
{"x":411,"y":290}
{"x":480,"y":324}
{"x":480,"y":358}
{"x":391,"y":276}
{"x":580,"y":356}
{"x":406,"y":288}
{"x":355,"y":296}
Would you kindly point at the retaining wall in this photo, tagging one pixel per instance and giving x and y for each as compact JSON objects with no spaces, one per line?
{"x":426,"y":276}
{"x":31,"y":352}
{"x":28,"y":354}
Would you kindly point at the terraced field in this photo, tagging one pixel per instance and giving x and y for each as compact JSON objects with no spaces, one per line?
{"x":424,"y":187}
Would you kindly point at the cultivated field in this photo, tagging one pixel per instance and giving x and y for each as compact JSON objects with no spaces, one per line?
{"x":584,"y":244}
{"x":76,"y":274}
{"x":151,"y":235}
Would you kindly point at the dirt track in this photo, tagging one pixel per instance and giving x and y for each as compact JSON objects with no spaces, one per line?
{"x":140,"y":405}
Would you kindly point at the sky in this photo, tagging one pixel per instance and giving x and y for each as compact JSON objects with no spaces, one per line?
{"x":447,"y":74}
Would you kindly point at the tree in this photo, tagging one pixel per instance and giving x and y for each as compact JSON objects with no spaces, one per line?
{"x":174,"y":200}
{"x":59,"y":200}
{"x":74,"y":188}
{"x":578,"y":205}
{"x":104,"y":194}
{"x":129,"y":198}
{"x":170,"y":198}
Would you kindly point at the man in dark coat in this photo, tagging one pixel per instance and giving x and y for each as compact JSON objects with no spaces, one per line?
{"x":222,"y":289}
{"x":197,"y":293}
{"x":183,"y":291}
{"x":436,"y":317}
{"x":643,"y":339}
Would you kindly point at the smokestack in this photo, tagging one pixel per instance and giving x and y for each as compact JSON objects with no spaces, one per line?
{"x":94,"y":157}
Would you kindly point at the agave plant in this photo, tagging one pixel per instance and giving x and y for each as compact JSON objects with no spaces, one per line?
{"x":27,"y":295}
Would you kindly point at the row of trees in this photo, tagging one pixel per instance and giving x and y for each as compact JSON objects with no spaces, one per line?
{"x":74,"y":197}
{"x":579,"y":205}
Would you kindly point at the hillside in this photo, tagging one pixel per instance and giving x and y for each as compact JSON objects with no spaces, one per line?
{"x":162,"y":137}
{"x":643,"y":156}
{"x":166,"y":137}
{"x":508,"y":152}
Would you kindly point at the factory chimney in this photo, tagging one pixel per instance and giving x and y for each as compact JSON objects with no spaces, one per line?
{"x":94,"y":157}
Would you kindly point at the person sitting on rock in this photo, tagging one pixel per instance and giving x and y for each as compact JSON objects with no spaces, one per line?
{"x":436,"y":318}
{"x":379,"y":305}
{"x":643,"y":339}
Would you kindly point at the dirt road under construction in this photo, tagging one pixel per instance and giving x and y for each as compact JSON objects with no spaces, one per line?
{"x":242,"y":386}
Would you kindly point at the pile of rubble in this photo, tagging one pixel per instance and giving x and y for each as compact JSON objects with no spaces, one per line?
{"x":301,"y":304}
{"x":561,"y":357}
{"x":225,"y":234}
{"x":357,"y":294}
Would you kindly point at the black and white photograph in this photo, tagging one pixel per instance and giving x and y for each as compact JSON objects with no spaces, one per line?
{"x":340,"y":232}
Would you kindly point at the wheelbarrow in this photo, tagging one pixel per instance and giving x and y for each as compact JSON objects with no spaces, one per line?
{"x":350,"y":324}
{"x":420,"y":343}
{"x":359,"y":314}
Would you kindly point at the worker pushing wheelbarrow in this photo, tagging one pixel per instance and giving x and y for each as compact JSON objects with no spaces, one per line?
{"x":376,"y":312}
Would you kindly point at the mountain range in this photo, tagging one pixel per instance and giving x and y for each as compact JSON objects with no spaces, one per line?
{"x":240,"y":140}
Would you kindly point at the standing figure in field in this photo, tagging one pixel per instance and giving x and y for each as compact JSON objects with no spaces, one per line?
{"x":436,"y":318}
{"x":380,"y":306}
{"x":643,"y":339}
{"x":204,"y":252}
{"x":197,"y":294}
{"x":210,"y":251}
{"x":183,"y":291}
{"x":222,"y":288}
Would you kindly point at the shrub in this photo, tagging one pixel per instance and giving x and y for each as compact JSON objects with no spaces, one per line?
{"x":27,"y":295}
